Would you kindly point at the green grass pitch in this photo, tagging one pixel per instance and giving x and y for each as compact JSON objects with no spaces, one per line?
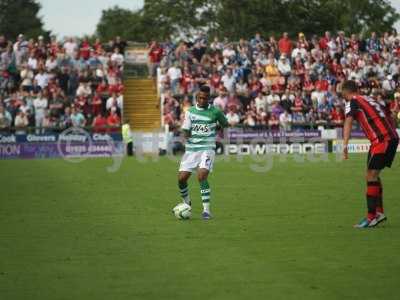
{"x":76,"y":231}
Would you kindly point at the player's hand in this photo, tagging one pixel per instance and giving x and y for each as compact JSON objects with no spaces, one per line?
{"x":345,"y":152}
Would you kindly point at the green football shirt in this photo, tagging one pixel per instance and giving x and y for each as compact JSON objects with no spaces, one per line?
{"x":201,"y":123}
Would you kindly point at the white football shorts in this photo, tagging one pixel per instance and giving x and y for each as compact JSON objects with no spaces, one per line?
{"x":197,"y":159}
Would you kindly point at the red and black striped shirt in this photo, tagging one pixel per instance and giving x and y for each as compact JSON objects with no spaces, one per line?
{"x":374,"y":118}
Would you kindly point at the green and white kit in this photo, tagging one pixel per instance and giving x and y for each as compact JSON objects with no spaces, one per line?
{"x":201,"y":123}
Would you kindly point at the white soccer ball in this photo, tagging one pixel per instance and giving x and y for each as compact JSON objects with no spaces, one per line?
{"x":182,"y":211}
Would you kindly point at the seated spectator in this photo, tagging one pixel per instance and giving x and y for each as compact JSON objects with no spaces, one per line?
{"x":77,"y":118}
{"x":113,"y":121}
{"x":337,"y":117}
{"x":99,"y":123}
{"x":298,"y":120}
{"x":233,"y":117}
{"x":285,"y":121}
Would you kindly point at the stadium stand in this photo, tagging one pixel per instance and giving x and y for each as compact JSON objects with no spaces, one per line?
{"x":277,"y":84}
{"x":53,"y":85}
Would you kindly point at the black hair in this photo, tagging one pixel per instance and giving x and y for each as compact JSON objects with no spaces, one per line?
{"x":350,"y":86}
{"x":205,"y":89}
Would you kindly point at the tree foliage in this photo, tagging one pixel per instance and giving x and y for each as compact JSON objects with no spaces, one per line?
{"x":161,"y":19}
{"x":21,"y":16}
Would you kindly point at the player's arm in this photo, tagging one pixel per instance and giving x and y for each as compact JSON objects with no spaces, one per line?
{"x":351,"y":109}
{"x":348,"y":124}
{"x":222,"y":121}
{"x":187,"y":126}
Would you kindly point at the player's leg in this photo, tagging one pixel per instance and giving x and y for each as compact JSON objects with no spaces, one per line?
{"x":183,"y":177}
{"x":188,"y":164}
{"x":375,"y":163}
{"x":389,"y":158}
{"x":205,"y":167}
{"x":373,"y":192}
{"x":202,"y":176}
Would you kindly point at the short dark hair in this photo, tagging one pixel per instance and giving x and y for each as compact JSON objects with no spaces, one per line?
{"x":205,"y":89}
{"x":350,"y":86}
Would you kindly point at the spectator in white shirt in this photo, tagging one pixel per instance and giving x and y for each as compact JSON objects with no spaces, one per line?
{"x":229,"y":81}
{"x":222,"y":100}
{"x":117,"y":57}
{"x":271,"y":98}
{"x":233,"y":118}
{"x":285,"y":121}
{"x":175,"y":75}
{"x":21,"y":122}
{"x":70,"y":47}
{"x":51,"y":64}
{"x":42,"y":79}
{"x":26,"y":78}
{"x":84,"y":90}
{"x":114,"y":101}
{"x":40,"y":104}
{"x":32,"y":61}
{"x":261,"y":102}
{"x":284,"y":66}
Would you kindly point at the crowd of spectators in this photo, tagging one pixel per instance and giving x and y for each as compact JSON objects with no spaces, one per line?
{"x":277,"y":83}
{"x":52,"y":85}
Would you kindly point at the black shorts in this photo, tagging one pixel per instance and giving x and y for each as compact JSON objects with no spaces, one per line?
{"x":381,"y":155}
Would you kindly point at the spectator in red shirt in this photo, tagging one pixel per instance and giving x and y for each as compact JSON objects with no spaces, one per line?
{"x":85,"y":49}
{"x":97,"y":104}
{"x":337,"y":117}
{"x":285,"y":45}
{"x":113,"y":120}
{"x":99,"y":123}
{"x":118,"y":87}
{"x":322,"y":84}
{"x":155,"y":56}
{"x":323,"y":42}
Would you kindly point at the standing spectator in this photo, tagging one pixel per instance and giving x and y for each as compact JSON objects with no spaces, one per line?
{"x":285,"y":121}
{"x":5,"y":118}
{"x":70,"y":47}
{"x":120,"y":44}
{"x":155,"y":56}
{"x":77,"y":118}
{"x":117,"y":58}
{"x":285,"y":44}
{"x":175,"y":75}
{"x":99,"y":123}
{"x":42,"y":79}
{"x":40,"y":104}
{"x":113,"y":121}
{"x":232,"y":117}
{"x":21,"y":122}
{"x":27,"y":76}
{"x":228,"y":81}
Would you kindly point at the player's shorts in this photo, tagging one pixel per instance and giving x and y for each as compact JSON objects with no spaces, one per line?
{"x":197,"y":159}
{"x":381,"y":155}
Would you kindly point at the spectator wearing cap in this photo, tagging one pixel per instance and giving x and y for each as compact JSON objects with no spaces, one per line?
{"x":302,"y":41}
{"x":27,"y":77}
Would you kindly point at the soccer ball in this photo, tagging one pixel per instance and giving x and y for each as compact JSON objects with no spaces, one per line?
{"x":182,"y":211}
